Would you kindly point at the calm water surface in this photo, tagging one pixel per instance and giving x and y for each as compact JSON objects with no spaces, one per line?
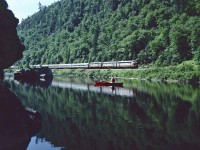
{"x":76,"y":115}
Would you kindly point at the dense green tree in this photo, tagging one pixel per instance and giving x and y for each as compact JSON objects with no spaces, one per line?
{"x":70,"y":31}
{"x":197,"y":56}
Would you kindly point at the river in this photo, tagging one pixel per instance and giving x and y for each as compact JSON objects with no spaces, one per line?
{"x":76,"y":115}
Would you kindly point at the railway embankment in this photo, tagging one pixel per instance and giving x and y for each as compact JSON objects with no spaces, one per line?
{"x":187,"y":72}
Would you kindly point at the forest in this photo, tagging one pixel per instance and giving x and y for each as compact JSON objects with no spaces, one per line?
{"x":162,"y":33}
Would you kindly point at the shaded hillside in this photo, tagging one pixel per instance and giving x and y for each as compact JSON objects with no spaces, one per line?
{"x":69,"y":31}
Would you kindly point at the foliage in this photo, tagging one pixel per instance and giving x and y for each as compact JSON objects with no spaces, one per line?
{"x":164,"y":33}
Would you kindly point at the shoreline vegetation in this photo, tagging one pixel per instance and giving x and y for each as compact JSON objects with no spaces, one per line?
{"x":186,"y":72}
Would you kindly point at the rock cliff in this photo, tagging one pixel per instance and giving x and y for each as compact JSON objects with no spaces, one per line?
{"x":11,"y":48}
{"x":17,"y":124}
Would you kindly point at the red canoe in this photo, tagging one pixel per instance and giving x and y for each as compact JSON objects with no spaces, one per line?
{"x":106,"y":83}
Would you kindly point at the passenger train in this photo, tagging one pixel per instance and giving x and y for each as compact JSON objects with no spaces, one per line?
{"x":93,"y":65}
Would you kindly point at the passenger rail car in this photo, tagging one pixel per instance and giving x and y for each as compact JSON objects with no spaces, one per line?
{"x":94,"y":65}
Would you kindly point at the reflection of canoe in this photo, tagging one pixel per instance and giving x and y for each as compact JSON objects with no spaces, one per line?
{"x":106,"y":83}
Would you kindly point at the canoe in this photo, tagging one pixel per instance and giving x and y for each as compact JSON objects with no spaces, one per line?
{"x":106,"y":83}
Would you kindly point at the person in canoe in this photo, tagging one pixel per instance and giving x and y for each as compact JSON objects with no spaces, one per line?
{"x":113,"y":80}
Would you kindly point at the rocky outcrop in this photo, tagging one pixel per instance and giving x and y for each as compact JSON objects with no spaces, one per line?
{"x":33,"y":74}
{"x":42,"y":76}
{"x":17,"y":124}
{"x":11,"y":48}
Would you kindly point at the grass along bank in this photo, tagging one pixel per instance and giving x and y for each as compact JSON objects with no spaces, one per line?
{"x":186,"y":72}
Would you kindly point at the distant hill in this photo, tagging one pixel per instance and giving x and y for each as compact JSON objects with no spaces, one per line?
{"x":163,"y":32}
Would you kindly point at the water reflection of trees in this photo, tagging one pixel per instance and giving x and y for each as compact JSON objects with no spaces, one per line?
{"x":156,"y":118}
{"x":158,"y":90}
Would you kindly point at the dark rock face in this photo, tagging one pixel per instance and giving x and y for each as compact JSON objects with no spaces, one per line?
{"x":17,"y":124}
{"x":41,"y":76}
{"x":11,"y":48}
{"x":33,"y":74}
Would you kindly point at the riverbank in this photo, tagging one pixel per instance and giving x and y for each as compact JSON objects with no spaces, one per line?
{"x":186,"y":72}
